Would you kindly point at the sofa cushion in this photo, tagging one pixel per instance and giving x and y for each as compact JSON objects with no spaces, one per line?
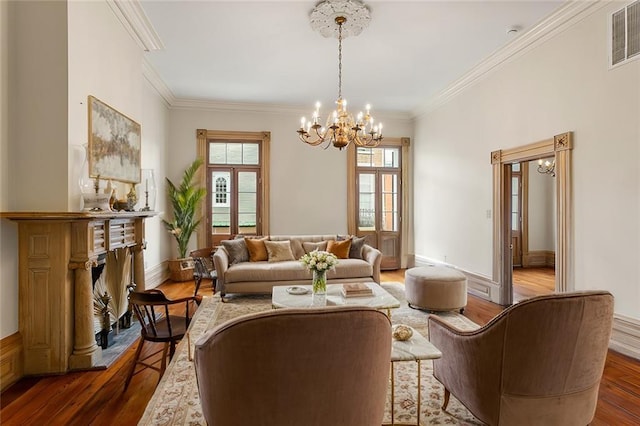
{"x":278,"y":251}
{"x":293,"y":270}
{"x":339,"y":248}
{"x":256,"y":248}
{"x":237,"y":250}
{"x":309,"y":246}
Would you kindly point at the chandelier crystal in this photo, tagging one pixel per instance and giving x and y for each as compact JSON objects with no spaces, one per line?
{"x":340,"y":129}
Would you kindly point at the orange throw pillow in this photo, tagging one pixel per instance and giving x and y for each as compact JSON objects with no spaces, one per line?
{"x":257,"y":249}
{"x":339,"y":248}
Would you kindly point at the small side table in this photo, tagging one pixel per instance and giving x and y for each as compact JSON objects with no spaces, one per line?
{"x":415,"y":349}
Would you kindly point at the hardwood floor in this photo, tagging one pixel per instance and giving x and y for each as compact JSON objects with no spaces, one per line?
{"x":530,"y":282}
{"x":97,"y":397}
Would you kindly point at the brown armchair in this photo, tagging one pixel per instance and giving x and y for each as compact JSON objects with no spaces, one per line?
{"x":312,"y":367}
{"x":538,"y":362}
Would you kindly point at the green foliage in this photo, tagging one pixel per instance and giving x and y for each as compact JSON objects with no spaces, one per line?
{"x":185,"y":200}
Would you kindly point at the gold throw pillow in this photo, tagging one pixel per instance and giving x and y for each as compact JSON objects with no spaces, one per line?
{"x":257,"y":249}
{"x":339,"y":248}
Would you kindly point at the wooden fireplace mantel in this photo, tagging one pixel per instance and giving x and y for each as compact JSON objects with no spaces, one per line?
{"x":56,"y":253}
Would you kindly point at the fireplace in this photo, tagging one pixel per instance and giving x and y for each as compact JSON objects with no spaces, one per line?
{"x":57,"y":253}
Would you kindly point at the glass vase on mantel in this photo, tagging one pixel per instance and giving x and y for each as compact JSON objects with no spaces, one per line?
{"x":319,"y":288}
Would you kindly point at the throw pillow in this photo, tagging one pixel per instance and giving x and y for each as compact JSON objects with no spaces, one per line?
{"x":297,"y":249}
{"x":355,"y":251}
{"x":309,"y":247}
{"x":279,"y":251}
{"x":237,"y":250}
{"x":339,"y":248}
{"x":256,"y":248}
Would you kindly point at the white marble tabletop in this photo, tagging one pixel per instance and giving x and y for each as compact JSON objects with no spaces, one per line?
{"x":381,"y":299}
{"x":416,"y":348}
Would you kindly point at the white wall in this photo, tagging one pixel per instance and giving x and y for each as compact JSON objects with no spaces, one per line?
{"x":308,"y":193}
{"x":562,"y":85}
{"x":60,"y":52}
{"x":542,"y":210}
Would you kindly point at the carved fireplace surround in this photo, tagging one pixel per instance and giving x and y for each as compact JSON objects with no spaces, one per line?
{"x":56,"y":253}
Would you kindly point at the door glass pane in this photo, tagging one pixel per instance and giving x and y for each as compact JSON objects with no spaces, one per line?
{"x":367,"y":199}
{"x":515,"y":167}
{"x":250,"y":153}
{"x":220,"y":202}
{"x":247,"y":202}
{"x":515,"y":203}
{"x":390,"y":213}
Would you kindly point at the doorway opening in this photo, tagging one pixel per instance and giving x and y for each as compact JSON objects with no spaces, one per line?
{"x":533,"y":216}
{"x":506,"y":203}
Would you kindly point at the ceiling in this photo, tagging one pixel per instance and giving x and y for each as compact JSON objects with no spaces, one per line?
{"x":265,"y":52}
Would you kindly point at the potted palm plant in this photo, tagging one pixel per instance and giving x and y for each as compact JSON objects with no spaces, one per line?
{"x":185,"y":200}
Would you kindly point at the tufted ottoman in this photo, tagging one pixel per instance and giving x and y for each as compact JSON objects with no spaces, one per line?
{"x":436,"y":288}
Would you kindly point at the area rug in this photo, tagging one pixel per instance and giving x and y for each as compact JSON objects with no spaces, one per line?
{"x":176,"y":400}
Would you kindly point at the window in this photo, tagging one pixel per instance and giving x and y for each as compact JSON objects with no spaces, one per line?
{"x":237,"y":189}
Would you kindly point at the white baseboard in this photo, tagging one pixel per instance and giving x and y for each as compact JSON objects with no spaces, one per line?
{"x":156,"y":275}
{"x":625,"y":336}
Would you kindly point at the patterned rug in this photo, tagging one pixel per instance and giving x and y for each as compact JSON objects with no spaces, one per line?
{"x":176,"y":400}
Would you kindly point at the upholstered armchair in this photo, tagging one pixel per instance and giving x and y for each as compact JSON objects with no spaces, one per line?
{"x":538,"y":362}
{"x":312,"y":367}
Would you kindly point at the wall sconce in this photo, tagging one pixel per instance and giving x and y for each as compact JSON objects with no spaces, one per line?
{"x":547,"y":167}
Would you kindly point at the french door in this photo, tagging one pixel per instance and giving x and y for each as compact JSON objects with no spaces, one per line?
{"x":379,"y":200}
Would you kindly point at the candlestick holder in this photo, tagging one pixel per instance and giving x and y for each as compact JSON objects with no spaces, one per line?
{"x":149,"y":182}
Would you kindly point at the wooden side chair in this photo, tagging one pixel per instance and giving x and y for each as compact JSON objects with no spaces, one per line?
{"x":158,"y":324}
{"x":204,"y":268}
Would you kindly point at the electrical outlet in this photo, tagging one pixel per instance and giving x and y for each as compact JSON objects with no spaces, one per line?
{"x":488,"y":214}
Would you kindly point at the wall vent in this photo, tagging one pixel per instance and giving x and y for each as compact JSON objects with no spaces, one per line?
{"x":624,"y":40}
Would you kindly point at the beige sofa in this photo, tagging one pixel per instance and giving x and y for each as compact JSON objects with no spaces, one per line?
{"x":261,"y":276}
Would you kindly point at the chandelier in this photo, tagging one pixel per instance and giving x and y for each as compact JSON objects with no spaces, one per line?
{"x":548,"y":167}
{"x":340,"y":128}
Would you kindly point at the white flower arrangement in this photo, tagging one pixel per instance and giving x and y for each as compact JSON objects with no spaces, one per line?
{"x":319,"y":261}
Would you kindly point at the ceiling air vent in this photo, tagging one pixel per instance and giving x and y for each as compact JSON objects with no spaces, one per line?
{"x":625,"y":34}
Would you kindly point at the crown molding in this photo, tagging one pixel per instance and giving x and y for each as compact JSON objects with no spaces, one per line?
{"x":151,"y":75}
{"x":135,"y":21}
{"x":566,"y":16}
{"x":202,"y":104}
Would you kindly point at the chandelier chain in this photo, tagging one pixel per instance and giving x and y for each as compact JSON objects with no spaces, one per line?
{"x":340,"y":60}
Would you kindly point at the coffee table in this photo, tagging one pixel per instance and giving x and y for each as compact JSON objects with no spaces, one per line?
{"x":381,"y":299}
{"x":415,"y":349}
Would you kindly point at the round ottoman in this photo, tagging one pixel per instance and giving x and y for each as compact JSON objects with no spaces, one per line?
{"x":436,"y":288}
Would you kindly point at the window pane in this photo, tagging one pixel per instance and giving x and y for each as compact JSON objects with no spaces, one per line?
{"x":234,"y":153}
{"x":391,"y":156}
{"x":515,"y":167}
{"x":221,"y":220}
{"x":377,"y":157}
{"x":247,"y":182}
{"x":250,"y":153}
{"x":514,"y":221}
{"x":514,"y":204}
{"x":221,"y":188}
{"x":515,"y":185}
{"x":389,"y":202}
{"x":217,"y":153}
{"x":246,"y":223}
{"x":364,"y":157}
{"x":367,"y":196}
{"x":247,"y":202}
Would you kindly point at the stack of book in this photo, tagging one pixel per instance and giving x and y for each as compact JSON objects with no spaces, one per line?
{"x":356,"y":290}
